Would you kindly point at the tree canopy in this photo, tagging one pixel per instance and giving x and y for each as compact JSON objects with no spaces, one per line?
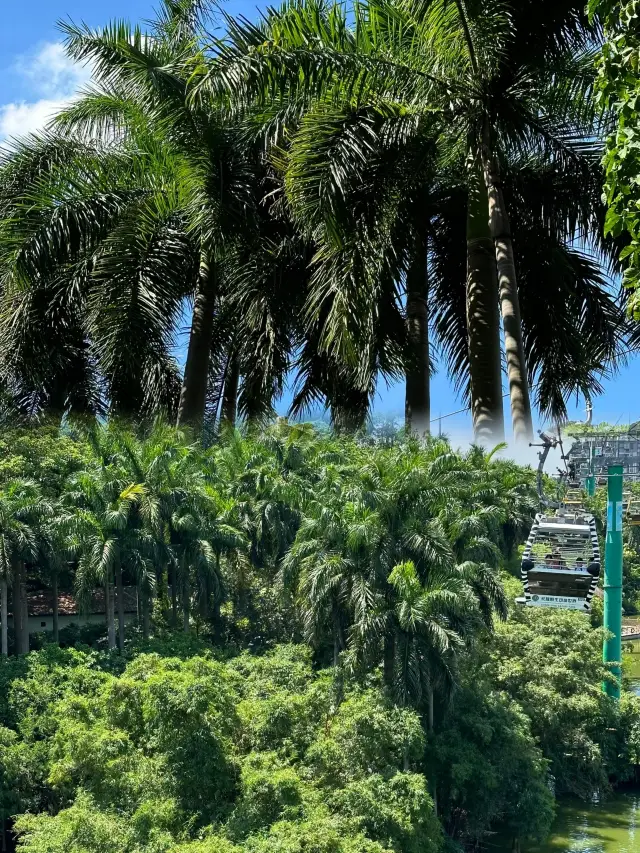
{"x":351,"y":197}
{"x":326,"y":646}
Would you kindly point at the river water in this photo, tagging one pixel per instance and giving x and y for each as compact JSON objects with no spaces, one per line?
{"x":612,"y":826}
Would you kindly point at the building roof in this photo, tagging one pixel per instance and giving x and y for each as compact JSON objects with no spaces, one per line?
{"x":41,"y":603}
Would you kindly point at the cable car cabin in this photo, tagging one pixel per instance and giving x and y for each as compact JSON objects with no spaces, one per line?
{"x":573,"y":499}
{"x":561,"y":562}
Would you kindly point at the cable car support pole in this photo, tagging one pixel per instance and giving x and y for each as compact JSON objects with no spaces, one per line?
{"x":612,"y":647}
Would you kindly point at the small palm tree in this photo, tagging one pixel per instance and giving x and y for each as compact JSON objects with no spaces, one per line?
{"x":375,"y":565}
{"x":98,"y":526}
{"x":54,"y":555}
{"x":23,"y":514}
{"x":431,"y":622}
{"x":200,"y":533}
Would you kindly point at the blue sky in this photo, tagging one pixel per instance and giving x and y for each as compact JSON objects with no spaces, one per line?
{"x":36,"y":78}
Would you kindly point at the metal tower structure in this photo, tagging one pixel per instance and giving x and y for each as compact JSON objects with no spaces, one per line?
{"x":593,"y":453}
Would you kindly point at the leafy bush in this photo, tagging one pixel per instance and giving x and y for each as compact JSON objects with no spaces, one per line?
{"x":250,"y":755}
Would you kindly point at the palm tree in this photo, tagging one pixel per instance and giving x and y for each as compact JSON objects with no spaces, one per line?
{"x":430,"y":622}
{"x":159,"y":464}
{"x":96,"y":524}
{"x":53,"y":555}
{"x":22,"y":514}
{"x":150,"y":72}
{"x":103,"y":525}
{"x":504,"y":102}
{"x":268,"y":484}
{"x":322,"y":569}
{"x":200,"y":535}
{"x":375,"y":568}
{"x":155,"y":189}
{"x":68,"y":321}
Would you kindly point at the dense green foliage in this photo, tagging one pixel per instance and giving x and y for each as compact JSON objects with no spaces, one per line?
{"x":619,"y":86}
{"x":326,"y":657}
{"x":159,"y":753}
{"x":209,"y":730}
{"x":254,"y":754}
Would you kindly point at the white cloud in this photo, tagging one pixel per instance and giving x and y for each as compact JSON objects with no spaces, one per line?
{"x":23,"y":118}
{"x":51,"y":81}
{"x":50,"y":72}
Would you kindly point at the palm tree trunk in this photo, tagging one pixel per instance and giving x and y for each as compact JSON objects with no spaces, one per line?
{"x":186,"y":605}
{"x":203,"y":603}
{"x":388,"y":659}
{"x":145,"y":614}
{"x":4,"y":616}
{"x":56,"y":613}
{"x":120,"y":594}
{"x":17,"y":609}
{"x":430,"y":721}
{"x":174,"y":597}
{"x":483,"y":318}
{"x":20,"y":610}
{"x":193,"y":396}
{"x":508,"y":290}
{"x":417,"y":410}
{"x":217,"y":623}
{"x":229,"y":410}
{"x":24,"y":601}
{"x":109,"y":614}
{"x":161,"y":591}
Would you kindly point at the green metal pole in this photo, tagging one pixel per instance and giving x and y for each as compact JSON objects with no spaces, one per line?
{"x":612,"y":648}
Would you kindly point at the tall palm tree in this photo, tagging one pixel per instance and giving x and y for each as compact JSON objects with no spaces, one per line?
{"x":151,"y":71}
{"x":155,"y":190}
{"x":504,"y":86}
{"x":67,"y":321}
{"x":147,"y":181}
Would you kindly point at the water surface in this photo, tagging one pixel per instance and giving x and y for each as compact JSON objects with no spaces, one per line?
{"x":609,"y":827}
{"x":612,"y":826}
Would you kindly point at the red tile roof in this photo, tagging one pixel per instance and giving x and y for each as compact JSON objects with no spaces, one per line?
{"x":41,"y":603}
